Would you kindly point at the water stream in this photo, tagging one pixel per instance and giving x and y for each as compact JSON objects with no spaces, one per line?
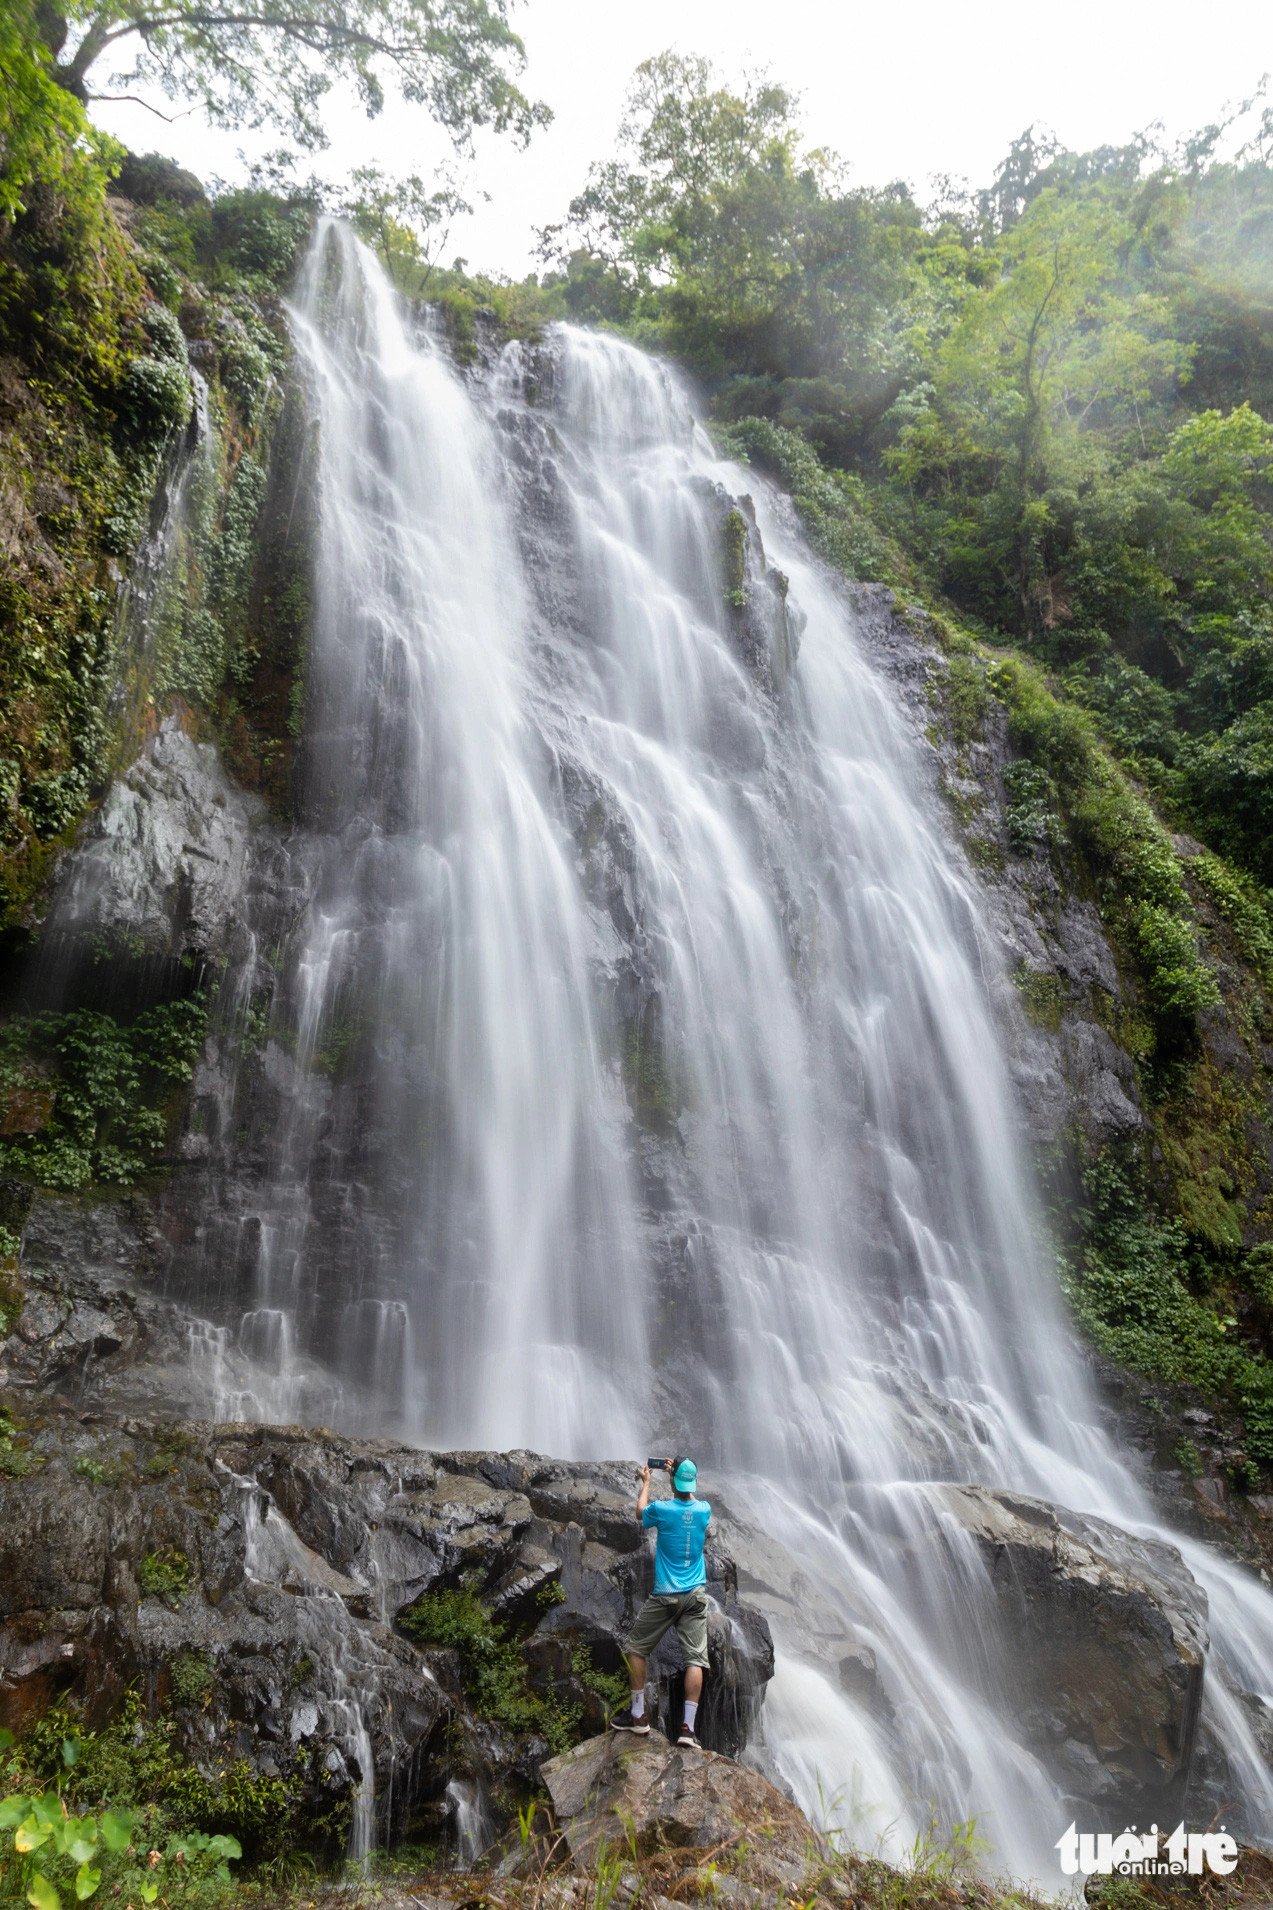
{"x":630,"y":1075}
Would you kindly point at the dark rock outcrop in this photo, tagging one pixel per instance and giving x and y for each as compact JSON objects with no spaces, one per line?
{"x":88,"y":1325}
{"x":1103,"y":1643}
{"x":160,"y":870}
{"x":281,"y":1561}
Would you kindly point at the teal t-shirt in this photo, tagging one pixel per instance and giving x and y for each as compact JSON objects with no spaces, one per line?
{"x":681,"y":1525}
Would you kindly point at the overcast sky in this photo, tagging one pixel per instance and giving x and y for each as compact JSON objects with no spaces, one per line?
{"x":900,"y":88}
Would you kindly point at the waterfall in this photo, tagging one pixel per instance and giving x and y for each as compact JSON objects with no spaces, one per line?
{"x":629,"y":1073}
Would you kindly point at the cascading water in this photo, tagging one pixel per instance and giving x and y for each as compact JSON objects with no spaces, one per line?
{"x":629,"y":1052}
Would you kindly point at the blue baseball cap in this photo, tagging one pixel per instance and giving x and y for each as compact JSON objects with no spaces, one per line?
{"x":685,"y":1478}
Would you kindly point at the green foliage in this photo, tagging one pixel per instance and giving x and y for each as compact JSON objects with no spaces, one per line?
{"x":1049,"y":394}
{"x":48,"y":1855}
{"x":254,"y":237}
{"x":11,"y":1294}
{"x":408,"y":221}
{"x":131,"y":1773}
{"x":154,"y":399}
{"x":85,"y":1095}
{"x":492,"y":1668}
{"x":654,"y":1091}
{"x":832,"y":504}
{"x":165,"y":1574}
{"x":45,"y":140}
{"x":1066,"y":781}
{"x":98,"y":1472}
{"x":1131,"y":1281}
{"x":192,"y":1677}
{"x":245,"y":372}
{"x":71,"y":304}
{"x":134,"y":1764}
{"x":967,"y":699}
{"x":232,"y":558}
{"x":734,"y":553}
{"x":718,"y":235}
{"x":452,"y":56}
{"x":16,"y":1459}
{"x":1031,"y":812}
{"x":610,"y":1686}
{"x":88,"y":421}
{"x":1042,"y":995}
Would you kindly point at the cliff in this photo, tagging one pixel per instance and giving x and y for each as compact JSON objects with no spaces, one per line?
{"x":307,"y":1640}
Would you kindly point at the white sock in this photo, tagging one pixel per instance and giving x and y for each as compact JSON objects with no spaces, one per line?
{"x":691,"y":1711}
{"x":638,"y":1703}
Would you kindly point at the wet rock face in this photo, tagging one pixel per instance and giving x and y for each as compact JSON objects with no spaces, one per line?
{"x":86,"y":1318}
{"x":1104,"y":1642}
{"x":160,"y":871}
{"x":281,"y":1561}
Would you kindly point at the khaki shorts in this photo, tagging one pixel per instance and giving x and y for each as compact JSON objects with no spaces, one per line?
{"x":686,"y":1610}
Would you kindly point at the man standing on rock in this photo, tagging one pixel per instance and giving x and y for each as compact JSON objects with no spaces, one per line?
{"x":679,"y":1597}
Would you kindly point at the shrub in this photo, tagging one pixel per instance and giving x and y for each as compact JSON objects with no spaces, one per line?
{"x":257,"y":235}
{"x":492,"y":1668}
{"x":832,"y":504}
{"x":115,"y":1833}
{"x":165,"y":1574}
{"x":191,"y":1676}
{"x":1179,"y":983}
{"x":154,"y":399}
{"x":245,"y":370}
{"x":1129,"y":1282}
{"x":967,"y":699}
{"x":1031,"y":814}
{"x":98,"y":1472}
{"x":1134,"y":867}
{"x":15,"y":1456}
{"x":163,"y":279}
{"x":1242,"y":904}
{"x":84,"y":1095}
{"x":165,"y":334}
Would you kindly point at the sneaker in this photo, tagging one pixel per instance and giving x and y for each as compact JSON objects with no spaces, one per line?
{"x":624,"y":1721}
{"x":689,"y":1738}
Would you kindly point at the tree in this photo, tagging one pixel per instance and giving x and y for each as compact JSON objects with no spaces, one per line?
{"x":686,"y":145}
{"x":408,"y":221}
{"x":1047,"y":369}
{"x":742,"y":250}
{"x":257,"y":62}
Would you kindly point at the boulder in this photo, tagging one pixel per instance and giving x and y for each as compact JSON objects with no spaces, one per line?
{"x":1103,"y":1640}
{"x":642,"y":1795}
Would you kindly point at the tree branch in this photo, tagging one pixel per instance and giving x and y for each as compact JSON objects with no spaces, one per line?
{"x":135,"y":99}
